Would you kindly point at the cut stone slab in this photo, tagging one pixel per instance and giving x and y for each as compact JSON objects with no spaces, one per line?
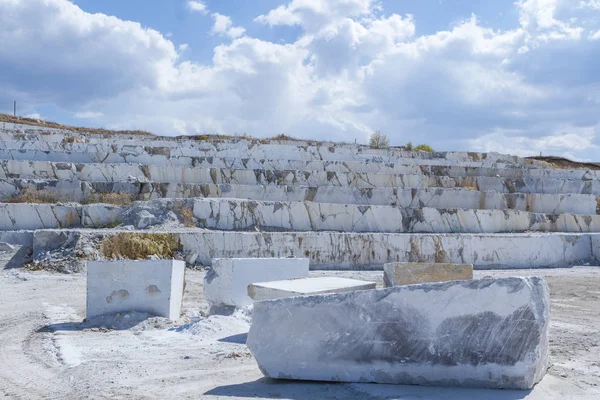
{"x":305,"y":286}
{"x":396,"y":274}
{"x":150,"y":286}
{"x":490,"y":333}
{"x":226,"y":283}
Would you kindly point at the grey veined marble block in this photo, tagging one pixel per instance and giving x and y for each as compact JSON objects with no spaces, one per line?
{"x":478,"y":333}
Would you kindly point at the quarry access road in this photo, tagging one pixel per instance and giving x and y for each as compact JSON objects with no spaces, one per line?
{"x":46,"y":352}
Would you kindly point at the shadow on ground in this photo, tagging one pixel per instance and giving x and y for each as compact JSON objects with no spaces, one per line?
{"x":308,"y":390}
{"x":118,"y":322}
{"x":19,"y":257}
{"x":239,"y":338}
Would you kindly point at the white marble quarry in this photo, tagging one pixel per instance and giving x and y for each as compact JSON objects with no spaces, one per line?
{"x":396,"y":274}
{"x":12,"y":169}
{"x":234,"y":214}
{"x":360,"y":251}
{"x":85,"y":153}
{"x":16,"y":216}
{"x":257,"y":149}
{"x":151,"y":286}
{"x":13,"y":165}
{"x":226,"y":283}
{"x":490,"y":333}
{"x":305,"y":286}
{"x":334,"y":250}
{"x":406,"y":198}
{"x":340,"y":205}
{"x":190,"y":157}
{"x":193,"y":156}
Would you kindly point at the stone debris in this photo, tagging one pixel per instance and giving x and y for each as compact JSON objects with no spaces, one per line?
{"x":490,"y":333}
{"x":397,"y":274}
{"x":305,"y":286}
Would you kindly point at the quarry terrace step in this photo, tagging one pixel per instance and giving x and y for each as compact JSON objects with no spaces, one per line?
{"x":70,"y":170}
{"x":84,"y":191}
{"x":190,"y":157}
{"x":234,"y":214}
{"x":239,"y":148}
{"x":169,"y":174}
{"x":359,"y":251}
{"x":438,"y":167}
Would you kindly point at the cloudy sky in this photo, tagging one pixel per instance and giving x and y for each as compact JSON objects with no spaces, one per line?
{"x":518,"y":77}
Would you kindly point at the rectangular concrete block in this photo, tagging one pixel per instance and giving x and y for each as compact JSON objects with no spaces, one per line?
{"x":396,"y":274}
{"x":305,"y":286}
{"x":489,"y":333}
{"x":226,"y":284}
{"x":150,"y":286}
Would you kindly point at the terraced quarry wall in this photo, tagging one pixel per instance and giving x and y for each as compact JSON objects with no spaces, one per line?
{"x":344,"y":206}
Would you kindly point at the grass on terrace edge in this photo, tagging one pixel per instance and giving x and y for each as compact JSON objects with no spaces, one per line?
{"x":139,"y":246}
{"x":46,"y":196}
{"x":48,"y":124}
{"x":553,"y":162}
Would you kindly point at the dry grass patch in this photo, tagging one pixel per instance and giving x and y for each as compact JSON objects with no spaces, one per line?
{"x":34,"y":196}
{"x":185,"y":212}
{"x":188,"y":217}
{"x":139,"y":246}
{"x":565,"y":163}
{"x":117,"y":198}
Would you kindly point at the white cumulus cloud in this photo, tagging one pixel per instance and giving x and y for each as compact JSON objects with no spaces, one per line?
{"x":353,"y":69}
{"x":224,"y":26}
{"x":197,"y":6}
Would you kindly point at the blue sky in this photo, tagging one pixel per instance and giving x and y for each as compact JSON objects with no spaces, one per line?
{"x":520,"y":77}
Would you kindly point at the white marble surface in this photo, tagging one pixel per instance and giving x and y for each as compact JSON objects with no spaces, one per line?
{"x":260,"y":291}
{"x":479,"y":333}
{"x":150,"y":286}
{"x":226,"y":284}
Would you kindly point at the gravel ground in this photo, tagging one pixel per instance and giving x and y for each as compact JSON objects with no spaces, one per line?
{"x":46,"y":351}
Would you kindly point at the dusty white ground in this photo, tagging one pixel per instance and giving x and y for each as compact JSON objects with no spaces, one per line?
{"x":46,"y":352}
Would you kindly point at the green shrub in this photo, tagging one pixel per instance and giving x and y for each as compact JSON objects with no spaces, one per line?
{"x":378,"y":140}
{"x":424,"y":147}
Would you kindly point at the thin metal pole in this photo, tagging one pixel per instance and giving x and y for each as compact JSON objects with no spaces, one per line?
{"x":15,"y":109}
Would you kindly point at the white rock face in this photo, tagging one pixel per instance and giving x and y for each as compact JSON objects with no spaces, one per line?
{"x":234,"y":214}
{"x":335,"y":250}
{"x":480,"y":333}
{"x":383,"y":196}
{"x":158,"y":173}
{"x":305,"y":286}
{"x":151,"y":286}
{"x":226,"y":284}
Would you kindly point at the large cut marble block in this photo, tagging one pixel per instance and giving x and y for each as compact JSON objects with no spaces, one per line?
{"x":305,"y":286}
{"x":226,"y":283}
{"x":396,"y":274}
{"x":478,"y":333}
{"x":151,"y":286}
